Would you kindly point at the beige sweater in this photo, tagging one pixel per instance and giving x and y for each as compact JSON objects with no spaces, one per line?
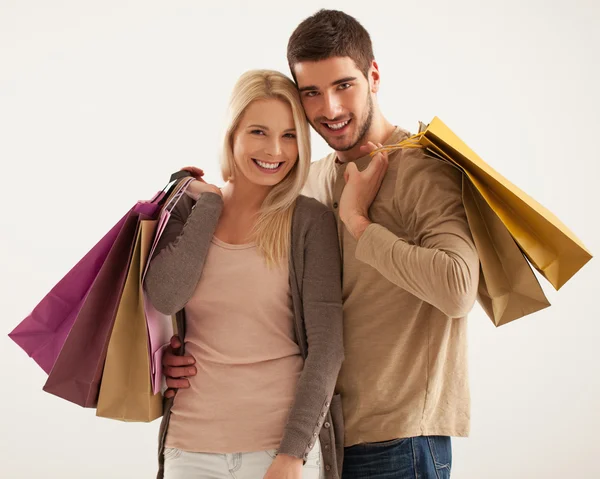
{"x":408,"y":284}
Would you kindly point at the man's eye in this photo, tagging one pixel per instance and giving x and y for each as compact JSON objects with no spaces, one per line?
{"x":310,"y":94}
{"x":344,"y":86}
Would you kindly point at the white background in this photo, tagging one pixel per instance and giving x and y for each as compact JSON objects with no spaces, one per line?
{"x":101,"y":100}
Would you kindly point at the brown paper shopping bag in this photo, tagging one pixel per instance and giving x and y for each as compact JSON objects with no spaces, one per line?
{"x":548,"y":244}
{"x":508,"y":287}
{"x":126,"y":389}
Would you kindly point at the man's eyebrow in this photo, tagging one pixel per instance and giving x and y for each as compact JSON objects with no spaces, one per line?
{"x":307,"y":88}
{"x":343,"y":80}
{"x":336,"y":82}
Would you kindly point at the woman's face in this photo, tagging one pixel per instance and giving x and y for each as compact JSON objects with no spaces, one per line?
{"x":264,"y":144}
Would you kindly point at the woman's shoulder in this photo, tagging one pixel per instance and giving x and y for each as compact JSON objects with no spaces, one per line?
{"x":308,"y":213}
{"x":309,"y":209}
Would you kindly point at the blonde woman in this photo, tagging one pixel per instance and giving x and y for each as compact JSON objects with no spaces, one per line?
{"x":252,"y":270}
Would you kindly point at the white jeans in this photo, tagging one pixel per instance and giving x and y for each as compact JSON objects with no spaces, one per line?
{"x":241,"y":465}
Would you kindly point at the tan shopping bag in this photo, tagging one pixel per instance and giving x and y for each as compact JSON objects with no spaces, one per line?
{"x":508,"y":287}
{"x":548,"y":244}
{"x":126,"y":389}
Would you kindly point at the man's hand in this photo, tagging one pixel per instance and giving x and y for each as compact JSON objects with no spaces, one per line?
{"x":360,"y":191}
{"x":285,"y":467}
{"x":177,"y":368}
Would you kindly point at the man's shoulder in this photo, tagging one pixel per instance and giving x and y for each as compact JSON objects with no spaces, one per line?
{"x":417,"y":164}
{"x":324,"y":163}
{"x":320,"y":180}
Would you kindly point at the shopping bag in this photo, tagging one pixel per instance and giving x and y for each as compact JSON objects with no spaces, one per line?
{"x":126,"y":387}
{"x":77,"y":371}
{"x":508,"y":288}
{"x":44,"y":331}
{"x":548,"y":244}
{"x":42,"y":334}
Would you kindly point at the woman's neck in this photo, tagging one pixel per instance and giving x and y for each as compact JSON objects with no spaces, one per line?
{"x":243,"y":197}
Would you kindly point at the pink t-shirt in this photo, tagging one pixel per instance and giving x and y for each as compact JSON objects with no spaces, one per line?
{"x":240,"y":330}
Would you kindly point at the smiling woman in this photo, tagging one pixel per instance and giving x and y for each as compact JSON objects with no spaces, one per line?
{"x":266,"y":138}
{"x":252,"y":271}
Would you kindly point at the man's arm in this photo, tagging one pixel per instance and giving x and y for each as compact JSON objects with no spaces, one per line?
{"x":442,"y":267}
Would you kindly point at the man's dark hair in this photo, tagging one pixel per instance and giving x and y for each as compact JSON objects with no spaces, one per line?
{"x":330,"y":33}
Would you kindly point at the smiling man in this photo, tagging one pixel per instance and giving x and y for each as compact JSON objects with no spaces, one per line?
{"x":410,"y":268}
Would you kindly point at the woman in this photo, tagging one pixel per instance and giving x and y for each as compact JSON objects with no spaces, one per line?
{"x":253,"y":272}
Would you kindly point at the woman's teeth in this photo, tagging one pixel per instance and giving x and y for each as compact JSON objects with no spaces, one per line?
{"x":268,"y":166}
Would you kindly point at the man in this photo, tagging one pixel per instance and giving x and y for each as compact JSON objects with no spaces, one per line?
{"x":410,"y":268}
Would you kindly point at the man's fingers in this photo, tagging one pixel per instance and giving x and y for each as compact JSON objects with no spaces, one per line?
{"x":368,"y":147}
{"x":173,"y":383}
{"x":194,"y":170}
{"x":170,"y":393}
{"x":351,"y":170}
{"x":170,"y":359}
{"x":179,"y":371}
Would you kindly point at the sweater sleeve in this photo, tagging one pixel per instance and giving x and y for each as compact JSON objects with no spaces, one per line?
{"x":322,"y":305}
{"x":442,"y":266}
{"x":176,"y":267}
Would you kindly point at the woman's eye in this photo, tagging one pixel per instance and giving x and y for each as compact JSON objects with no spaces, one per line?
{"x":257,"y":132}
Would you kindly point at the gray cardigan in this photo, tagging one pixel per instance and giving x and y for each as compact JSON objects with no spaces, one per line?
{"x":315,"y":283}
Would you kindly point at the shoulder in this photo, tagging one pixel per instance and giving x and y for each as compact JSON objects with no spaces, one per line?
{"x":319,"y":165}
{"x":320,"y":169}
{"x":311,"y":216}
{"x":183,"y":208}
{"x":320,"y":178}
{"x":419,"y":166}
{"x":186,"y":205}
{"x":309,"y":209}
{"x":314,"y":228}
{"x":421,"y":175}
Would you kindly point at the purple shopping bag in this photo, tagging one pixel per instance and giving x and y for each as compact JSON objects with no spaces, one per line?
{"x":78,"y":368}
{"x":42,"y":334}
{"x":77,"y":372}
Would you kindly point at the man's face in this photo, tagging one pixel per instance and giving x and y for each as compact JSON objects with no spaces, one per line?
{"x":337,"y":100}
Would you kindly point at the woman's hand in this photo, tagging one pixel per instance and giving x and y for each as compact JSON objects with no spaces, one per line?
{"x":199,"y":186}
{"x":285,"y":467}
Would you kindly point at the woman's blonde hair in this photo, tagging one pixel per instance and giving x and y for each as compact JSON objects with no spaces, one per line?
{"x":272,"y":230}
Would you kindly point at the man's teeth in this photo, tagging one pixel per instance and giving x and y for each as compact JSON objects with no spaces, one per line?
{"x":337,"y":126}
{"x":268,"y":166}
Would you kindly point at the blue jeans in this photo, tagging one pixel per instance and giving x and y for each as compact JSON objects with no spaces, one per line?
{"x":424,"y":457}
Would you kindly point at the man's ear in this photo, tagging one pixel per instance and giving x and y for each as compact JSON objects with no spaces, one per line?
{"x":374,"y":77}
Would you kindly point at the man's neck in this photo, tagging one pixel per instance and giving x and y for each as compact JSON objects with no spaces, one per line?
{"x":379,"y":132}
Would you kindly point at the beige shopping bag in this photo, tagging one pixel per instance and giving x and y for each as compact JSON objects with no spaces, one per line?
{"x":126,"y":389}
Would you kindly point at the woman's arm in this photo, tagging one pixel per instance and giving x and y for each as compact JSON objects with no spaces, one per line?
{"x":322,"y":303}
{"x":175,"y":270}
